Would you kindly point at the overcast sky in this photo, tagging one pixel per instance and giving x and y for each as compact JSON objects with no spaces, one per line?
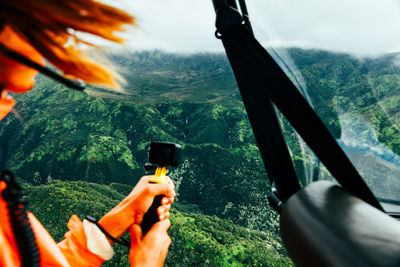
{"x":357,"y":26}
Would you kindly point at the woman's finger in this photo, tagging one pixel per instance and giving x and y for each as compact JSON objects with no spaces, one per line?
{"x":160,"y":189}
{"x":136,"y":234}
{"x":163,"y":209}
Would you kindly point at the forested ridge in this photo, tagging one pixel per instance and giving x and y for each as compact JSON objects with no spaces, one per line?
{"x":197,"y":240}
{"x":97,"y":140}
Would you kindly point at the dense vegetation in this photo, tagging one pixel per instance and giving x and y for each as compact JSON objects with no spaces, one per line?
{"x":102,"y":137}
{"x":197,"y":239}
{"x":68,"y":135}
{"x":358,"y":99}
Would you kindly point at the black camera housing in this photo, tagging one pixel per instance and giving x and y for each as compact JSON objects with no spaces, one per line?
{"x":163,"y":154}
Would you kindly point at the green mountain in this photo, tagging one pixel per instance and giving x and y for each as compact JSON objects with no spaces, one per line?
{"x":367,"y":87}
{"x":157,"y":77}
{"x":102,"y":137}
{"x":358,"y":100}
{"x":68,"y":135}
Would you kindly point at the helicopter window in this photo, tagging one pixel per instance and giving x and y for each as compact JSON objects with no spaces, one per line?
{"x":306,"y":164}
{"x":344,"y":59}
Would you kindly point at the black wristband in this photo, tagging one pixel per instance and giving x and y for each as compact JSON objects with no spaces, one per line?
{"x":121,"y":242}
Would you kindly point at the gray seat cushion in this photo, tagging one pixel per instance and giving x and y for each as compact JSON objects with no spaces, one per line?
{"x":323,"y":225}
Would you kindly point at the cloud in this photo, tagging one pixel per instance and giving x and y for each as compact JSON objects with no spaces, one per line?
{"x":357,"y":26}
{"x":173,"y":25}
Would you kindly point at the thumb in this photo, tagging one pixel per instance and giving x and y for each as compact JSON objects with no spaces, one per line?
{"x":161,"y":226}
{"x":136,"y":234}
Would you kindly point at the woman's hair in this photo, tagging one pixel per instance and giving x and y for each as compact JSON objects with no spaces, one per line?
{"x":50,"y":26}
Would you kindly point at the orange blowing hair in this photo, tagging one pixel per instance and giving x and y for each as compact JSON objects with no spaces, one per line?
{"x":50,"y":27}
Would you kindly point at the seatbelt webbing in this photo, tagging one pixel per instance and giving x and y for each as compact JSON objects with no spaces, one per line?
{"x":260,"y":80}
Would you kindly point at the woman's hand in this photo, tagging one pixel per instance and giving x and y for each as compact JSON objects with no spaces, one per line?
{"x":131,"y":210}
{"x":150,"y":250}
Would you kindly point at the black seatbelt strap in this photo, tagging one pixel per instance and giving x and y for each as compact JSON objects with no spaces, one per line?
{"x":261,"y":80}
{"x":262,"y":116}
{"x":19,"y":221}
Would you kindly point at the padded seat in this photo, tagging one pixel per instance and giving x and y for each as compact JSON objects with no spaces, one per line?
{"x":324,"y":225}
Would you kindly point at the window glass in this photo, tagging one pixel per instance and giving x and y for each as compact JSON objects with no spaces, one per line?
{"x":343,"y":57}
